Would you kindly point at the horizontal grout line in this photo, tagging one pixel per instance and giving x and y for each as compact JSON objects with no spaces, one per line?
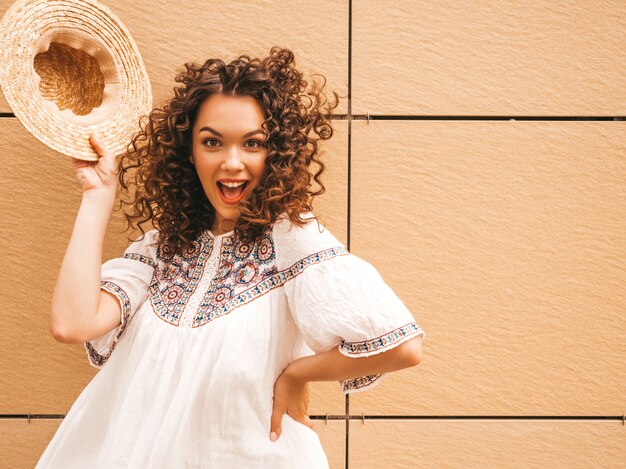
{"x":364,"y":117}
{"x":394,"y":417}
{"x":32,"y":416}
{"x":470,"y":417}
{"x":479,"y":118}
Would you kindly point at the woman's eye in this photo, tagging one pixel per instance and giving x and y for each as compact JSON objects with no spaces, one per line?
{"x":258,"y":144}
{"x":210,"y":140}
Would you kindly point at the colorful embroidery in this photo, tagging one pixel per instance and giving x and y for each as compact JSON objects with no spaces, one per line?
{"x":139,"y":257}
{"x":95,"y":357}
{"x":176,"y":277}
{"x":377,"y":344}
{"x":227,"y":293}
{"x":243,"y":267}
{"x":382,"y":342}
{"x":312,"y":259}
{"x":246,"y":271}
{"x":359,"y":383}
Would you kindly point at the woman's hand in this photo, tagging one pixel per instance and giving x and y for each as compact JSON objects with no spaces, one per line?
{"x":291,"y":396}
{"x":97,"y":176}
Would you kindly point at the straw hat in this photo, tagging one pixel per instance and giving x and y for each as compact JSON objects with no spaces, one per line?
{"x":69,"y":68}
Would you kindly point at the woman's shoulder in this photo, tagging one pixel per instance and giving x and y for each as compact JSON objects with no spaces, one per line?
{"x":310,"y":230}
{"x":144,"y":244}
{"x":294,"y":241}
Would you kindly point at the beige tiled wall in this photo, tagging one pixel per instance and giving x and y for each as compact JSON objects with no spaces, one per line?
{"x":505,"y":238}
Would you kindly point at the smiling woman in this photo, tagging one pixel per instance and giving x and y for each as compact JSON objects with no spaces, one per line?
{"x":229,"y":168}
{"x":199,"y":328}
{"x":248,"y":120}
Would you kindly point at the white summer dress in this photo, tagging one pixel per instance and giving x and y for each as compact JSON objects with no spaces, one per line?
{"x":187,"y":379}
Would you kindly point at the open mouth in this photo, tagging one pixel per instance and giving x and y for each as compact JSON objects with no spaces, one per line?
{"x":232,"y":192}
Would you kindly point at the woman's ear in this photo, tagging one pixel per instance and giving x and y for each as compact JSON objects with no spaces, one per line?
{"x":191,"y":158}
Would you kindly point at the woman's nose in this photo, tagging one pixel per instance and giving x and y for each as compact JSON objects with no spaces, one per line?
{"x":233,"y":159}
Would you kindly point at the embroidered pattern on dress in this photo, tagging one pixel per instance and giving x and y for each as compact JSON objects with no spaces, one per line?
{"x":377,"y":344}
{"x":95,"y":357}
{"x":139,"y":257}
{"x":243,"y":266}
{"x":382,"y":342}
{"x":359,"y":383}
{"x":176,"y":277}
{"x":246,"y":271}
{"x":234,"y":289}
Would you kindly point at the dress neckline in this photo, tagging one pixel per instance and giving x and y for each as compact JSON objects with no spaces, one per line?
{"x":223,"y":235}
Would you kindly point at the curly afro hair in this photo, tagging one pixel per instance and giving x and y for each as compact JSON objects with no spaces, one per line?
{"x":160,"y":184}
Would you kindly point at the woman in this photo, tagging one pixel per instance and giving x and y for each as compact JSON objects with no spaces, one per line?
{"x":209,"y":327}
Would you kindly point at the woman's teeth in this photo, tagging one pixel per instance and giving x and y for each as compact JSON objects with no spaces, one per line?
{"x":232,"y":190}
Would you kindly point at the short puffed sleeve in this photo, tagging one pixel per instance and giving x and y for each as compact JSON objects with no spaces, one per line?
{"x":127,"y":277}
{"x":338,"y":299}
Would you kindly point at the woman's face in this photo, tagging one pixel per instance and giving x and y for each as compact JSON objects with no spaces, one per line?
{"x":228,"y":150}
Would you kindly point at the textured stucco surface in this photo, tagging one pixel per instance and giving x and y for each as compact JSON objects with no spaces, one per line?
{"x":489,"y":57}
{"x":450,"y":444}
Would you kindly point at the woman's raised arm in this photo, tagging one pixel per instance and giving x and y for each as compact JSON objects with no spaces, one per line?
{"x":77,"y":296}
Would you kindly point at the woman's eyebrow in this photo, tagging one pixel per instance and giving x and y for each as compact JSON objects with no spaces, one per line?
{"x":249,"y":134}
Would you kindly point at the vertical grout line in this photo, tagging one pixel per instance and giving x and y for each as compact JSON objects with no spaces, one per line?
{"x":347,"y":396}
{"x":349,"y":117}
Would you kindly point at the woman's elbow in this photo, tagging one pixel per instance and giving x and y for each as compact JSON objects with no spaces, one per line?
{"x":413,"y":351}
{"x":60,"y":334}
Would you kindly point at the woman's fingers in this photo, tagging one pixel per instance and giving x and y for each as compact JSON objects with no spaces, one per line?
{"x":276,"y":421}
{"x":291,"y":396}
{"x":98,"y":146}
{"x":97,"y":175}
{"x":107,"y":167}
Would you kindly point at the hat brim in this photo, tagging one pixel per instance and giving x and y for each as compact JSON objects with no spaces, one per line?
{"x":28,"y":28}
